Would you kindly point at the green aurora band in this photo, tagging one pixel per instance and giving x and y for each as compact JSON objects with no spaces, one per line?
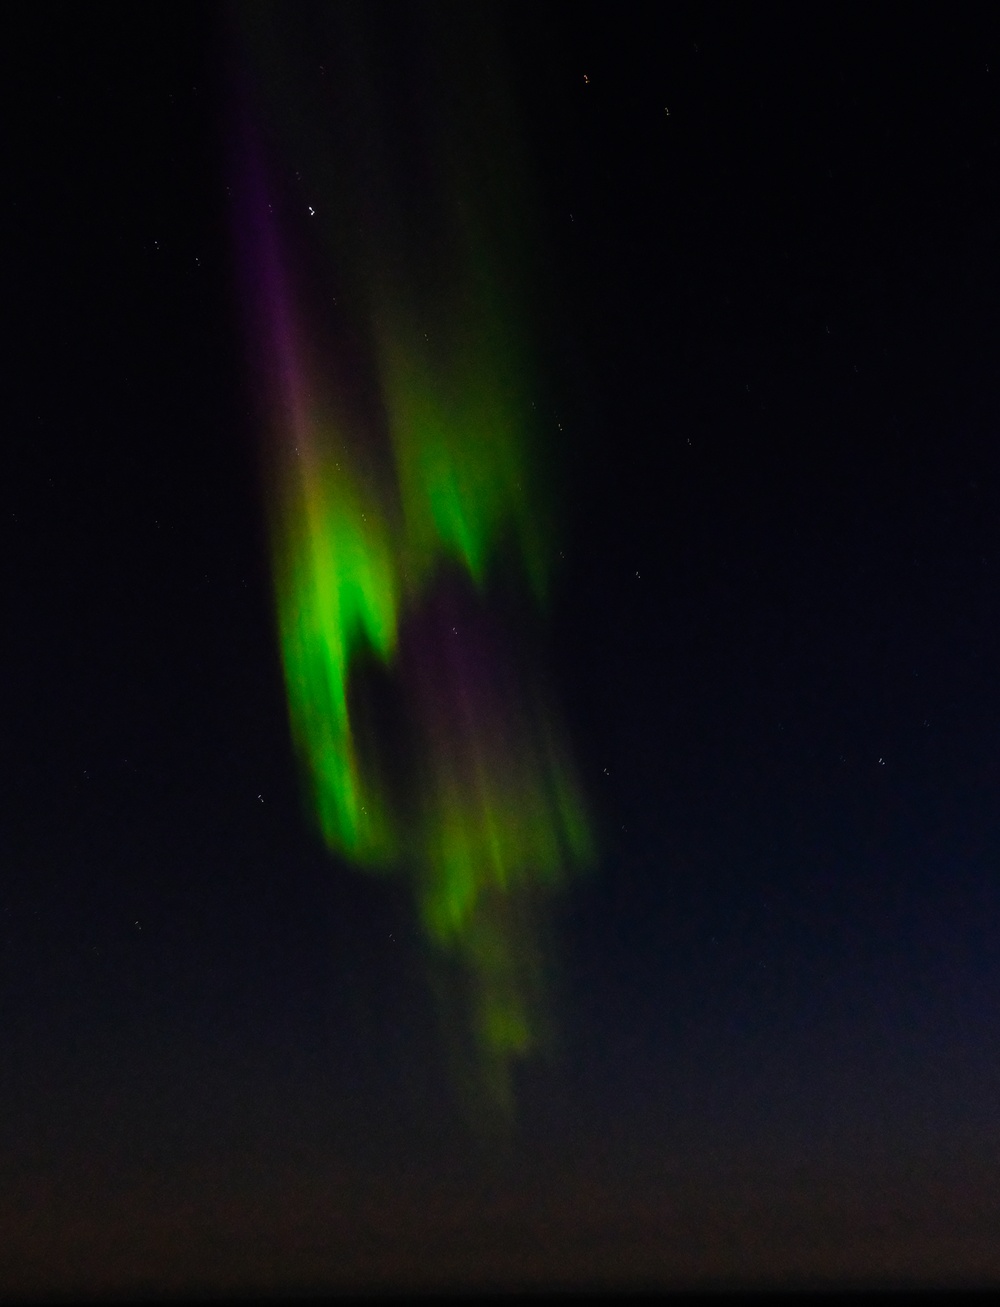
{"x":395,"y":558}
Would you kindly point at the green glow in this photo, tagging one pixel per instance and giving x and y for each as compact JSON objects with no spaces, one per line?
{"x":459,"y":416}
{"x":495,"y":822}
{"x":494,"y":837}
{"x":337,"y":592}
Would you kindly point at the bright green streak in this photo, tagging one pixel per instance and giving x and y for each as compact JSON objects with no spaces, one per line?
{"x":338,"y":591}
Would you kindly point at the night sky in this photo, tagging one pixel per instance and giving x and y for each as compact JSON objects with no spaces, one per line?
{"x":766,"y":328}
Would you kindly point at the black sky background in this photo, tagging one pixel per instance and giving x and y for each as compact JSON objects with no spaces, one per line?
{"x":770,"y":358}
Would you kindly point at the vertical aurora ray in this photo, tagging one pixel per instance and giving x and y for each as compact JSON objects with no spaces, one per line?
{"x":336,"y":579}
{"x":393,"y":524}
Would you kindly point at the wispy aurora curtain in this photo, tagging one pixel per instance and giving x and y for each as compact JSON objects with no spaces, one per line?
{"x":380,"y":216}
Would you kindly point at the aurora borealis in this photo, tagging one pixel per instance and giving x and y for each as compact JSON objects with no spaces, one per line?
{"x":723,"y":571}
{"x":398,"y":526}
